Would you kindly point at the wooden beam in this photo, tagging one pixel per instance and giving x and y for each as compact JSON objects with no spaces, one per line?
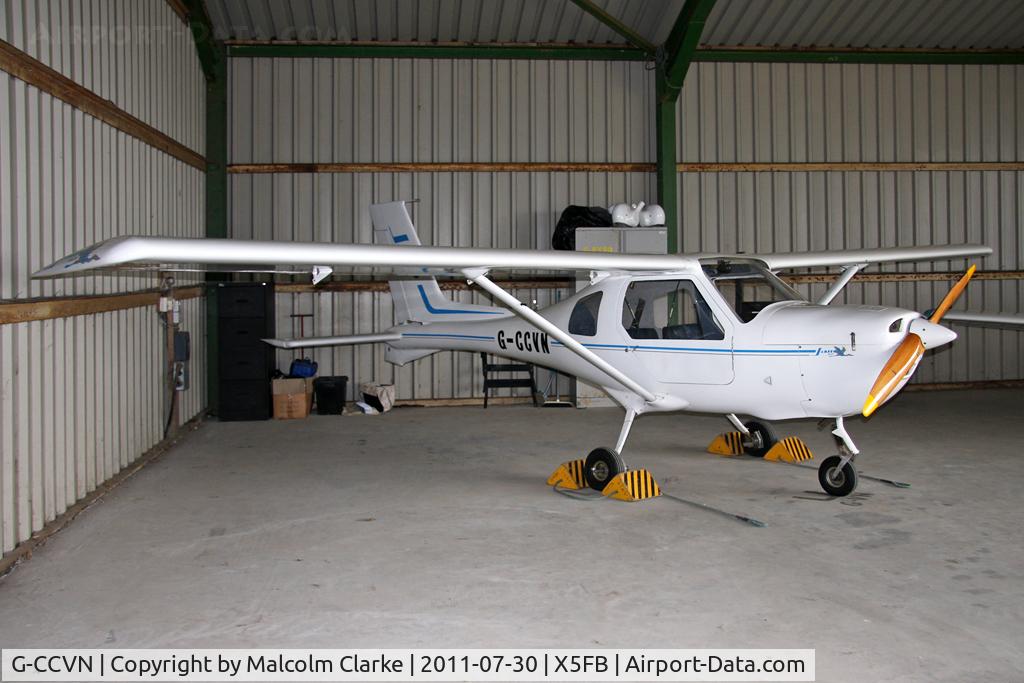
{"x":28,"y":310}
{"x":558,"y":282}
{"x":446,"y":285}
{"x":803,"y":279}
{"x":626,"y":167}
{"x":27,"y":68}
{"x":179,"y":8}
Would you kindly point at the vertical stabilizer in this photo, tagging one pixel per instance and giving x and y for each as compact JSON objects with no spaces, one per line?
{"x":419,"y":299}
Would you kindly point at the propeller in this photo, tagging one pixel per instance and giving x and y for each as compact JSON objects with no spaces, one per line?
{"x":908,"y":354}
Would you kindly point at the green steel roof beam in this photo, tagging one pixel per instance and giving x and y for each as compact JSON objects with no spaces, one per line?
{"x":436,"y":51}
{"x":210,"y":53}
{"x":614,"y":24}
{"x":681,"y":45}
{"x":858,"y":56}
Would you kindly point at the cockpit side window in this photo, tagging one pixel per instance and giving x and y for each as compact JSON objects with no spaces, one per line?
{"x":748,"y":287}
{"x":583,"y":319}
{"x":668,"y":309}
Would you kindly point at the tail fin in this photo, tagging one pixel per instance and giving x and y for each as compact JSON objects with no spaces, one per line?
{"x":419,"y":299}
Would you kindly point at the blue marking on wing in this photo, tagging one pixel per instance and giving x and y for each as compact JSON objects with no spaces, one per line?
{"x":400,"y":238}
{"x":81,"y":258}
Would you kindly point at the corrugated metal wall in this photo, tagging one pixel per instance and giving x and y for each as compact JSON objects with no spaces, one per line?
{"x":403,"y":110}
{"x":298,"y":110}
{"x":82,"y":397}
{"x":854,"y":113}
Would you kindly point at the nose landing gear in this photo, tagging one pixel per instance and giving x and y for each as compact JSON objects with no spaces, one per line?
{"x":837,"y":475}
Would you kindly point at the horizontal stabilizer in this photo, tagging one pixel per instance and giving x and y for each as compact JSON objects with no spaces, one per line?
{"x":312,"y":342}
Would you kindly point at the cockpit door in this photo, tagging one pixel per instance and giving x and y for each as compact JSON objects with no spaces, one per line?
{"x":678,"y":331}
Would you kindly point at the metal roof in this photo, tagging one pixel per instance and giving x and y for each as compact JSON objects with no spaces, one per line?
{"x":944,"y":24}
{"x":952,"y":24}
{"x":428,"y":21}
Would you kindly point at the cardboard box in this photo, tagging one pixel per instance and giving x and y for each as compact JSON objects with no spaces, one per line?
{"x":293,"y":398}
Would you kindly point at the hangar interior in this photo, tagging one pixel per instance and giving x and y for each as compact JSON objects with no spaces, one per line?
{"x":759,"y":126}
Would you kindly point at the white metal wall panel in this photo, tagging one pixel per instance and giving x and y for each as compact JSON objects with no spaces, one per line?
{"x":136,"y":53}
{"x":81,"y":397}
{"x":852,"y":113}
{"x":426,"y":111}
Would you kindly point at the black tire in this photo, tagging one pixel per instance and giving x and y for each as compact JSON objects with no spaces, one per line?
{"x":836,"y":482}
{"x":601,"y":467}
{"x":763,"y":437}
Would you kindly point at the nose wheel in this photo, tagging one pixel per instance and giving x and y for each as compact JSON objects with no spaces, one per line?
{"x":601,"y":467}
{"x":837,"y":476}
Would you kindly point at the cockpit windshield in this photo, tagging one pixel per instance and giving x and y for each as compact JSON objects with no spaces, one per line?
{"x":747,"y":286}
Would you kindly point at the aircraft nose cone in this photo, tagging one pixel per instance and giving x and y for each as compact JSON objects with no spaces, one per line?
{"x":931,"y":334}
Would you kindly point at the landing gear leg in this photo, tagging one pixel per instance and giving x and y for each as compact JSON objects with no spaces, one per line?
{"x":837,"y":475}
{"x":604,"y":463}
{"x":758,"y":437}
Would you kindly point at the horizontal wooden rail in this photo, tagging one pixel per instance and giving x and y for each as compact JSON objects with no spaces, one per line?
{"x":29,"y":69}
{"x":568,"y":283}
{"x":625,"y":167}
{"x":446,"y":285}
{"x":28,"y":310}
{"x":801,"y":279}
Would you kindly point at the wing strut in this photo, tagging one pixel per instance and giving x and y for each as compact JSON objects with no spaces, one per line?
{"x":840,"y":282}
{"x":541,"y":323}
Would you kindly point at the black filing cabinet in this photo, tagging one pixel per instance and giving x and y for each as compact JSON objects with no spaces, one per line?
{"x":245,"y":316}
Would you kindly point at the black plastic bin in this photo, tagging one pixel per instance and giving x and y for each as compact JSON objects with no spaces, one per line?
{"x":330,"y":394}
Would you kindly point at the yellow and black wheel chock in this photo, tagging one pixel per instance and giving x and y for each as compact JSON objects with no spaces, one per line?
{"x":729,"y":444}
{"x":632,"y":486}
{"x":569,"y":475}
{"x":792,"y":449}
{"x":629,"y":486}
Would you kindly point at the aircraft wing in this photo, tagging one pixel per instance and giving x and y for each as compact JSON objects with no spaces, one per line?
{"x":184,"y":254}
{"x":199,"y":254}
{"x":849,"y":257}
{"x":1003,"y":320}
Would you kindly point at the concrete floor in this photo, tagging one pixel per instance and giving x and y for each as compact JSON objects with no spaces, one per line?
{"x":433,"y":528}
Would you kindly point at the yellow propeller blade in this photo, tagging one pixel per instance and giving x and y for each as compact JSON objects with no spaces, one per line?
{"x":900,"y":364}
{"x":907,"y":355}
{"x":952,"y":296}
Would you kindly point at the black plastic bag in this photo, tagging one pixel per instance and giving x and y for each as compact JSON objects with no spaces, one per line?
{"x":578,"y":217}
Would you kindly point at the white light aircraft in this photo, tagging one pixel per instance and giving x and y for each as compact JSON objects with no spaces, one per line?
{"x":712,"y":333}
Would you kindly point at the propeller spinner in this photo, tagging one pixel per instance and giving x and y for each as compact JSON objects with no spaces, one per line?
{"x":921,"y":335}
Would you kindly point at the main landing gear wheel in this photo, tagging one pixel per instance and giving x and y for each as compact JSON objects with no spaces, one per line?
{"x":762,"y":438}
{"x":601,"y":467}
{"x":836,"y":481}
